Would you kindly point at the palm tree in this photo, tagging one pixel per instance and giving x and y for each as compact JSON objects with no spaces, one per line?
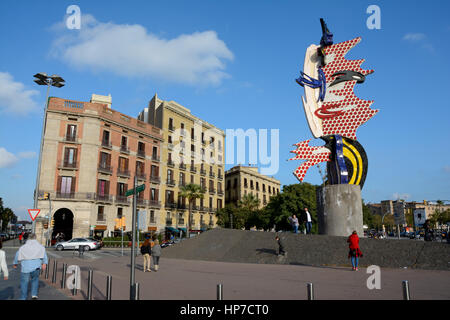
{"x":192,"y":192}
{"x":249,"y":202}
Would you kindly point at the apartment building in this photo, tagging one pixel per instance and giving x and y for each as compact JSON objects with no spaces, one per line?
{"x":90,"y":156}
{"x":192,"y":152}
{"x":243,"y":180}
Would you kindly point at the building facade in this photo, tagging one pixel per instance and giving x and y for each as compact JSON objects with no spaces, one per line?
{"x":91,"y":154}
{"x":242,"y":180}
{"x":192,"y":152}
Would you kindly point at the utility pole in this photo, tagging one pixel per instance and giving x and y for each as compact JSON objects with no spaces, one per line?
{"x":133,"y":243}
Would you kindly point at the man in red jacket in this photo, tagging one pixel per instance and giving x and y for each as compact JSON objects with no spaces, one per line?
{"x":354,"y":252}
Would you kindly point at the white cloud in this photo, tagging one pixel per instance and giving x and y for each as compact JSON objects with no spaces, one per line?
{"x":447,"y":169}
{"x":414,"y":37}
{"x":402,"y":196}
{"x":27,"y":154}
{"x":14,"y":98}
{"x":7,"y":159}
{"x":132,"y":51}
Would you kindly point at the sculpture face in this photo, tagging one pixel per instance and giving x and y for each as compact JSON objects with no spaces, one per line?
{"x":333,"y":111}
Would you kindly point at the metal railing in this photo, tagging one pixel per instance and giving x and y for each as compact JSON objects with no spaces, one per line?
{"x":106,"y":144}
{"x":105,"y":169}
{"x":123,"y":173}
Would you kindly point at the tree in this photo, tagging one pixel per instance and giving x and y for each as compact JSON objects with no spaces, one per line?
{"x":192,"y":192}
{"x":292,"y":200}
{"x":6,"y":215}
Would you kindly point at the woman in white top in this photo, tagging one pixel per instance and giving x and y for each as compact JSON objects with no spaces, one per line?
{"x":3,"y":266}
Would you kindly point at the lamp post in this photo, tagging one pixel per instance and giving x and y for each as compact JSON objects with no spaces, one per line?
{"x":43,"y":79}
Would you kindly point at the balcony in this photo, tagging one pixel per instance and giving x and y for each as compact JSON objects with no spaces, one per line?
{"x":123,"y":173}
{"x":203,"y":172}
{"x":155,"y":158}
{"x":169,"y":222}
{"x":69,"y":138}
{"x":141,"y":154}
{"x":170,"y":183}
{"x":122,"y":200}
{"x":124,"y":149}
{"x":170,"y":163}
{"x":141,"y":176}
{"x":170,"y":205}
{"x":103,"y":168}
{"x":75,"y":195}
{"x":181,"y":221}
{"x":141,"y":202}
{"x":104,"y":198}
{"x":212,"y":175}
{"x":193,"y":170}
{"x":212,"y":191}
{"x":154,"y":204}
{"x":155,"y":179}
{"x":68,"y":165}
{"x":212,"y":209}
{"x":220,"y":177}
{"x":202,"y":208}
{"x":220,"y":192}
{"x":106,"y":144}
{"x":182,"y":166}
{"x":182,"y":206}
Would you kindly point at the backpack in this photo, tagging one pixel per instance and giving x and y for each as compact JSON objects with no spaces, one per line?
{"x":144,"y":250}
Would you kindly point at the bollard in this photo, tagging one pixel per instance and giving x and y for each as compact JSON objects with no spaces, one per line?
{"x":90,"y":277}
{"x":135,"y":291}
{"x":310,"y":290}
{"x":220,"y":292}
{"x":108,"y":287}
{"x":46,"y":269}
{"x":63,"y":279}
{"x":406,"y":295}
{"x":55,"y":266}
{"x":74,"y":290}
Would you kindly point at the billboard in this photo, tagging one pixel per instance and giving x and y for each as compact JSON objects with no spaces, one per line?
{"x":399,"y":213}
{"x":419,"y":216}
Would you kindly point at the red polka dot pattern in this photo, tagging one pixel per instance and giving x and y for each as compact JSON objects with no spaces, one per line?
{"x":345,"y":124}
{"x":314,"y":155}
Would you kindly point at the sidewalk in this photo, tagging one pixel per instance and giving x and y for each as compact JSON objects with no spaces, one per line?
{"x":197,"y":280}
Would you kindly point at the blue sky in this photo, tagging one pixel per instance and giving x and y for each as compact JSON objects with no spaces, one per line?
{"x":234,"y":64}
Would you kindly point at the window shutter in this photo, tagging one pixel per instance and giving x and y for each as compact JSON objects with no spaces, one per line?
{"x":118,"y":189}
{"x":106,"y":187}
{"x":66,"y":155}
{"x":72,"y":189}
{"x":58,"y":187}
{"x":75,"y":156}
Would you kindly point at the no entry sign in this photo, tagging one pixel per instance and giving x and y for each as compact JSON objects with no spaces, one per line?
{"x":33,"y":213}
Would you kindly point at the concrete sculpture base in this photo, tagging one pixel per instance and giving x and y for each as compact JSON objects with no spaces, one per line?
{"x":339,"y":210}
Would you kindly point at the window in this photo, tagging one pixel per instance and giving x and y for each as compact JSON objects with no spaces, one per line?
{"x":105,"y":139}
{"x":154,"y":171}
{"x":264,"y":187}
{"x":154,"y":194}
{"x":71,"y":132}
{"x":210,"y":202}
{"x":124,"y":142}
{"x":103,"y":188}
{"x":245,"y":183}
{"x":119,"y":213}
{"x":105,"y":160}
{"x":121,"y":189}
{"x":169,"y":139}
{"x":192,"y":134}
{"x":169,"y":175}
{"x":211,"y":185}
{"x":123,"y":164}
{"x":169,"y":196}
{"x":235,"y":183}
{"x":66,"y":185}
{"x":170,"y":124}
{"x":70,"y":157}
{"x":219,"y":186}
{"x":192,"y":179}
{"x":152,"y":216}
{"x":100,"y":213}
{"x":155,"y":153}
{"x":182,"y":182}
{"x":140,"y":168}
{"x":219,"y":203}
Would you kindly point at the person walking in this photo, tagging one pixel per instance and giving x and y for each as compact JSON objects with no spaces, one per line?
{"x":294,"y":222}
{"x":308,"y":221}
{"x":146,"y":251}
{"x":21,"y":237}
{"x":3,"y":265}
{"x":32,"y":257}
{"x":281,"y":248}
{"x":354,"y":251}
{"x":156,"y":253}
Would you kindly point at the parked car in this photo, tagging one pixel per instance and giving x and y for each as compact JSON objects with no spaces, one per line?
{"x":4,"y":236}
{"x":100,"y":242}
{"x":74,"y":244}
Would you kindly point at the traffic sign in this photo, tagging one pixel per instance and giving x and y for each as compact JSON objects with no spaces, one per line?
{"x":138,"y":189}
{"x":34,"y":213}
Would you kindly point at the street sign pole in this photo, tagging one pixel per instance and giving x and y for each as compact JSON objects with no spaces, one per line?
{"x":133,"y":257}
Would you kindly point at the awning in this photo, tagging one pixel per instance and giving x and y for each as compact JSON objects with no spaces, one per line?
{"x":183,"y":229}
{"x":173,"y":229}
{"x":100,"y":228}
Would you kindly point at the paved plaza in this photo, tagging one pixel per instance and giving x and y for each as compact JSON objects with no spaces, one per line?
{"x":197,"y":280}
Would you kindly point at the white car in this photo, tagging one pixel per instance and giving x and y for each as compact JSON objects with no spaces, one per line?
{"x":76,"y":243}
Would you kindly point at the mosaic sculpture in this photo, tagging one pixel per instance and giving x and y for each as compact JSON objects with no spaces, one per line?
{"x":333,"y":111}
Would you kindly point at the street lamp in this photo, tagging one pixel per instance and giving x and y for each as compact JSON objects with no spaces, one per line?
{"x":43,"y":79}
